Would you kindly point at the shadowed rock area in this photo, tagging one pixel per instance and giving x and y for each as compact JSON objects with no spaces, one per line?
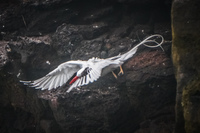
{"x":37,"y":35}
{"x":186,"y":53}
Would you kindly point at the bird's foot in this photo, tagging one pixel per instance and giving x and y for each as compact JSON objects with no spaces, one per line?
{"x":121,"y":72}
{"x":114,"y":75}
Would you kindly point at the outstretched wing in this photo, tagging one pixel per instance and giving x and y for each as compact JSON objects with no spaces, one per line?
{"x":94,"y":71}
{"x":91,"y":75}
{"x":57,"y":77}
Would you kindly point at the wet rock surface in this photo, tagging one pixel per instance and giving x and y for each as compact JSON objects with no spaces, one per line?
{"x":36,"y":36}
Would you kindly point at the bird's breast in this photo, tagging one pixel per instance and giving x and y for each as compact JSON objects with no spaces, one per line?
{"x":109,"y":68}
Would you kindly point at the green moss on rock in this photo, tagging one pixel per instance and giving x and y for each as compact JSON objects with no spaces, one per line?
{"x":186,"y":53}
{"x":191,"y":100}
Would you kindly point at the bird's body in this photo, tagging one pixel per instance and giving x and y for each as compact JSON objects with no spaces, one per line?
{"x":86,"y":71}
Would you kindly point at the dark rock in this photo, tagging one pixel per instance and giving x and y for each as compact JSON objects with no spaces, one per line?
{"x":66,"y":38}
{"x":69,"y":37}
{"x":186,"y":54}
{"x":104,"y":54}
{"x":97,"y":14}
{"x":93,"y":31}
{"x":25,"y":54}
{"x":3,"y":53}
{"x":88,"y":49}
{"x":47,"y":33}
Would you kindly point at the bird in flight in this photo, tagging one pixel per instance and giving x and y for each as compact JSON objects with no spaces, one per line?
{"x":88,"y":71}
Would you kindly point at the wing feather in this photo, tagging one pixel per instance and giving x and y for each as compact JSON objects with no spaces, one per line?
{"x":52,"y":83}
{"x":65,"y":79}
{"x":84,"y":80}
{"x":94,"y":73}
{"x":56,"y":81}
{"x":92,"y":76}
{"x":38,"y":82}
{"x":76,"y":83}
{"x":47,"y":83}
{"x":87,"y":79}
{"x":61,"y":80}
{"x":42,"y":84}
{"x":57,"y":77}
{"x":79,"y":82}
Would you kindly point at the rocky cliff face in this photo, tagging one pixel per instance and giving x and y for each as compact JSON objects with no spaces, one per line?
{"x":186,"y":53}
{"x":36,"y":36}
